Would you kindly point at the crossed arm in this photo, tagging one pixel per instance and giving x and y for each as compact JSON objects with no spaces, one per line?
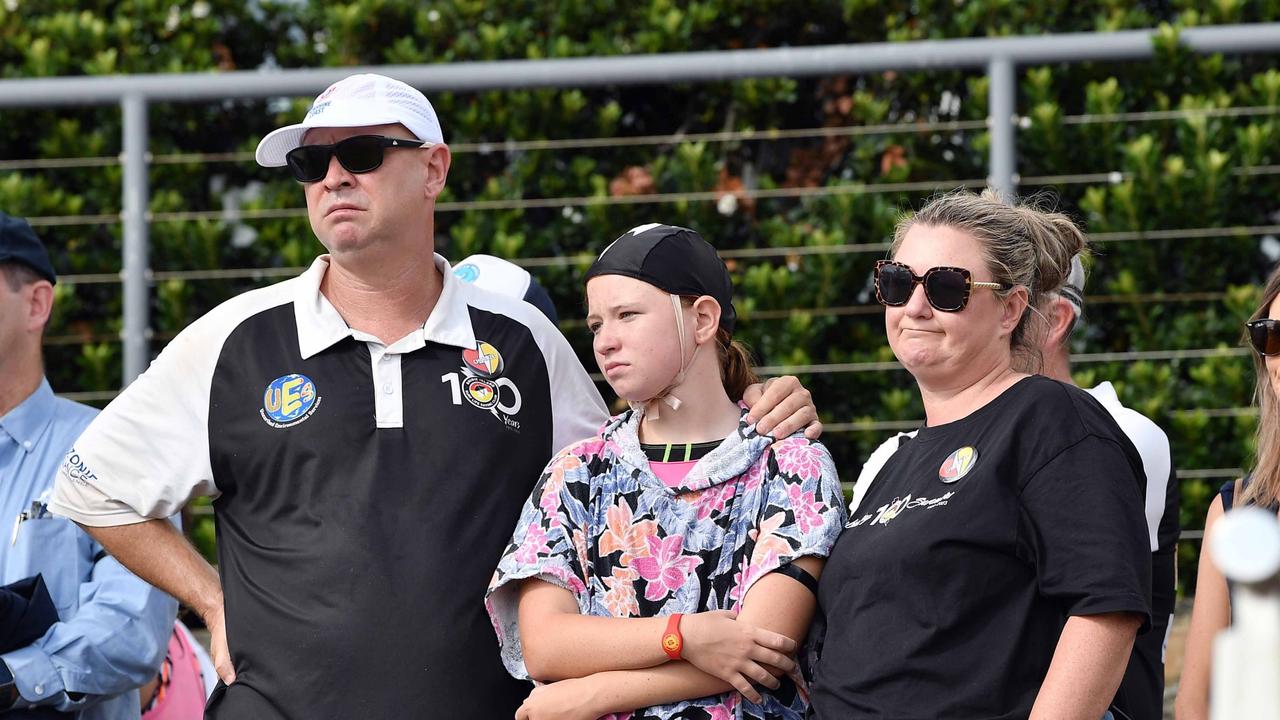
{"x":606,"y":665}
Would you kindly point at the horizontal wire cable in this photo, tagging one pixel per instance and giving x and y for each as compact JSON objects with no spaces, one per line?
{"x":1180,"y":114}
{"x":577,"y":323}
{"x":616,"y":200}
{"x":491,"y":146}
{"x":749,"y":253}
{"x":1079,"y":359}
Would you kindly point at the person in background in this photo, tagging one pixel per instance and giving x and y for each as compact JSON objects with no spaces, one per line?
{"x":667,"y":565}
{"x":185,"y":681}
{"x":999,"y":564}
{"x":1211,"y":612}
{"x":506,"y":278}
{"x":1141,"y":693}
{"x":111,"y":630}
{"x":369,"y":430}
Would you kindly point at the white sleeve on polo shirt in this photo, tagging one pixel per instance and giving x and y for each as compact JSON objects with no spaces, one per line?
{"x":871,"y":468}
{"x":1152,"y":445}
{"x":577,"y":410}
{"x":147,"y":453}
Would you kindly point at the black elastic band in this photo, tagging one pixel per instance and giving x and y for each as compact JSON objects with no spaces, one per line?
{"x":801,"y":576}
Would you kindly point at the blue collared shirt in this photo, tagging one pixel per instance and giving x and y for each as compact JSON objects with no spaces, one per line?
{"x":113,"y":628}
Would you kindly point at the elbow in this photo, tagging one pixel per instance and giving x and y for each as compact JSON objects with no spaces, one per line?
{"x":540,"y":660}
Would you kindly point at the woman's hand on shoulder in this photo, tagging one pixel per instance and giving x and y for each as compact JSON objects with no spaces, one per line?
{"x":571,"y":699}
{"x":737,"y":652}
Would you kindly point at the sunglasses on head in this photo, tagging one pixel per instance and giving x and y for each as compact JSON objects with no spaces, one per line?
{"x":946,"y":288}
{"x":359,"y":154}
{"x":1264,"y":336}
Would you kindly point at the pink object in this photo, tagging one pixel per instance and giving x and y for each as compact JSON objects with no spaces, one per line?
{"x":672,"y":474}
{"x":181,"y":695}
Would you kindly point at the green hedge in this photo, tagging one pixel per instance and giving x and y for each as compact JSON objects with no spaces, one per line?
{"x":1157,"y":173}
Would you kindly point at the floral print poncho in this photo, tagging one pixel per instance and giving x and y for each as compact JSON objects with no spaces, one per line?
{"x":601,"y":525}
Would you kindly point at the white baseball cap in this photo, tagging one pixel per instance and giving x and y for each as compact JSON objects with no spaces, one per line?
{"x":356,"y":101}
{"x":505,"y":278}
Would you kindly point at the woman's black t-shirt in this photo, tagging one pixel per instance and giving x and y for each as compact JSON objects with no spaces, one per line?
{"x":948,"y":590}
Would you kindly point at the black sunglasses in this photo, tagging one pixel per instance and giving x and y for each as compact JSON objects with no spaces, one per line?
{"x":1264,"y":336}
{"x":359,"y":154}
{"x":946,"y":288}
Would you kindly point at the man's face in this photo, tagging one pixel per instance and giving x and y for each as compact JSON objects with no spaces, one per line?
{"x":18,"y":328}
{"x":351,"y":211}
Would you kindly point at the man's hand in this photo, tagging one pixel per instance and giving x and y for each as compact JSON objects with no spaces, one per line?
{"x":216,"y":621}
{"x":781,"y":406}
{"x":736,"y":652}
{"x":564,"y":700}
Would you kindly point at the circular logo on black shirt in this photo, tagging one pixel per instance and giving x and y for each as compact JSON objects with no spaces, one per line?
{"x":288,"y":400}
{"x":481,"y":392}
{"x":958,"y":464}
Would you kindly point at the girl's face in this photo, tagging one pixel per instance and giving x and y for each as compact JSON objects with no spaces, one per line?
{"x":636,"y":345}
{"x":1273,"y":362}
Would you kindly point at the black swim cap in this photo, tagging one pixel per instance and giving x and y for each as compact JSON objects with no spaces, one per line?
{"x":673,"y":259}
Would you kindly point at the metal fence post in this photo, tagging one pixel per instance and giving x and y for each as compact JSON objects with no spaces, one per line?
{"x":1246,"y":656}
{"x":1001,"y":94}
{"x":135,"y":273}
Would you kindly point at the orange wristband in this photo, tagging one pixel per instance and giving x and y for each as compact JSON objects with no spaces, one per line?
{"x":672,"y":640}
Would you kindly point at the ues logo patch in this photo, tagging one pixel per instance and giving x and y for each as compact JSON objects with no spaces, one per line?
{"x":289,"y":400}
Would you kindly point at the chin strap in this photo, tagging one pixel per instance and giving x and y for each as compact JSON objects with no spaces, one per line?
{"x":650,"y":407}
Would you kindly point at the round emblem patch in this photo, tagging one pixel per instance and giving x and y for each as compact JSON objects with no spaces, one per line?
{"x":484,"y":359}
{"x":467,"y":273}
{"x":481,"y":393}
{"x":958,"y":464}
{"x":288,"y":398}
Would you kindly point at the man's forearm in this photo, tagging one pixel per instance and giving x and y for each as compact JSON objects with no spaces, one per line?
{"x":156,"y":552}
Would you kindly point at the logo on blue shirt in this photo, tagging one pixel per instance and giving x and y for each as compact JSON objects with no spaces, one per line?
{"x":289,"y":400}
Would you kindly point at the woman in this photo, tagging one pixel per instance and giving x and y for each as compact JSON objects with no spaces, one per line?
{"x":998,"y":566}
{"x":668,"y":565}
{"x":1212,"y":610}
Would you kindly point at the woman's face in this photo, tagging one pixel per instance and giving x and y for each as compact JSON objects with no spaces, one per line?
{"x":635,"y":343}
{"x":1273,"y":362}
{"x":949,"y":349}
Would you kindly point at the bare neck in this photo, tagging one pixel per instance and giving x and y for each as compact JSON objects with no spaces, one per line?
{"x":22,"y":372}
{"x":388,"y":300}
{"x":706,"y":412}
{"x":944,"y":404}
{"x":1057,"y":365}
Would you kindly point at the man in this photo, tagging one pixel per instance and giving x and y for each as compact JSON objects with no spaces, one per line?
{"x":111,"y":627}
{"x":1141,"y":693}
{"x":370,"y":428}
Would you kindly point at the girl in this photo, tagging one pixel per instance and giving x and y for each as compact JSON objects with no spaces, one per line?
{"x":665,"y":567}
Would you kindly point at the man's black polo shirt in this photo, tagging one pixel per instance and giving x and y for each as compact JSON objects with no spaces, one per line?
{"x":364,"y":492}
